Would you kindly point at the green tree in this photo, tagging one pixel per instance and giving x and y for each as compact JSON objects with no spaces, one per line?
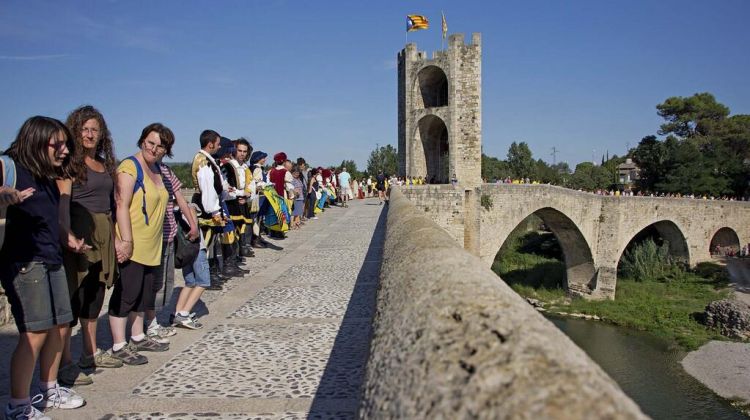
{"x":705,"y":152}
{"x":687,"y":117}
{"x":183,"y":172}
{"x":383,"y":158}
{"x":545,"y":173}
{"x":351,"y":167}
{"x":588,"y":176}
{"x":520,"y":160}
{"x":494,"y":168}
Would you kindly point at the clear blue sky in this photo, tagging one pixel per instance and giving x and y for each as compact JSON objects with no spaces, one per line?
{"x":318,"y":79}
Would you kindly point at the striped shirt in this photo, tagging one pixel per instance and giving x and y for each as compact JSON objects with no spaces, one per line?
{"x":171,"y":183}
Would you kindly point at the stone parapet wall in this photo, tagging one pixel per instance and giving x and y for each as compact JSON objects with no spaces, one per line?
{"x":452,"y":340}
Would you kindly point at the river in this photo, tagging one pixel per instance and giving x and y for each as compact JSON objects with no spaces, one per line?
{"x":648,"y":370}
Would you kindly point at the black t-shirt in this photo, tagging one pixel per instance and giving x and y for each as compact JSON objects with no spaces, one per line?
{"x":32,"y":228}
{"x":380,"y":179}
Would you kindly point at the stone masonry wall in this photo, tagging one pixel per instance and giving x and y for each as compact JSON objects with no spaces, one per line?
{"x":442,"y":204}
{"x":451,"y":340}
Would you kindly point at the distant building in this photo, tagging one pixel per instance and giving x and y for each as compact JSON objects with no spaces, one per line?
{"x":627,"y":174}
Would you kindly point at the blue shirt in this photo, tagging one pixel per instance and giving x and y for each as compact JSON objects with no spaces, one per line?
{"x":344,"y":179}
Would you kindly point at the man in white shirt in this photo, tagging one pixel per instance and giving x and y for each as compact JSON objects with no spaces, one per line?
{"x":345,"y":183}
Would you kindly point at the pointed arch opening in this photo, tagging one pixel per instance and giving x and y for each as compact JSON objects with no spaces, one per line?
{"x":431,"y":156}
{"x":547,"y":250}
{"x":725,"y":242}
{"x":433,"y":87}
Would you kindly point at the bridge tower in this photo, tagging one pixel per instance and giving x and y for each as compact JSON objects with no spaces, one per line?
{"x":440,"y":112}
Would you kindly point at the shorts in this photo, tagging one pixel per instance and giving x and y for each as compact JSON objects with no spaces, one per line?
{"x":38,"y":295}
{"x":197,"y":274}
{"x":86,"y":300}
{"x":346,"y":191}
{"x":163,"y":279}
{"x":381,"y":187}
{"x":133,"y":289}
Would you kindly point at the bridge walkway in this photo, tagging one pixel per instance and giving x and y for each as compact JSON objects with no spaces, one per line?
{"x":290,"y":340}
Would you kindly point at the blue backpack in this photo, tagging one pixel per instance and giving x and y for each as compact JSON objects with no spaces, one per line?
{"x":139,"y":185}
{"x":9,"y":171}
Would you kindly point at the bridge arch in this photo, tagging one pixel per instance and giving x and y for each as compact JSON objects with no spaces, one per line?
{"x":431,"y":150}
{"x":724,"y":241}
{"x":431,"y":87}
{"x":580,"y":271}
{"x":667,"y":231}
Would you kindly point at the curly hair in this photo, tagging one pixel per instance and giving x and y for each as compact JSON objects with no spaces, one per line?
{"x":104,"y":148}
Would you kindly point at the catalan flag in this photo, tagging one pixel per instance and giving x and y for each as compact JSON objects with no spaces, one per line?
{"x":416,"y":22}
{"x":444,"y":26}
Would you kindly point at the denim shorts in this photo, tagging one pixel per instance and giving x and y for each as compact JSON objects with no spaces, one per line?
{"x":38,"y":295}
{"x":197,"y":274}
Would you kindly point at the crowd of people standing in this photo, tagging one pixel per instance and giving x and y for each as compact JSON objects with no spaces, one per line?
{"x":79,"y":221}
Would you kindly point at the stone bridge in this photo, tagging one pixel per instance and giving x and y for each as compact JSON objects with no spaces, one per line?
{"x":593,"y":230}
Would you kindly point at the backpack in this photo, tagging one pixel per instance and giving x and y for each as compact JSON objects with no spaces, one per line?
{"x":185,"y":251}
{"x":9,"y":171}
{"x":139,"y":185}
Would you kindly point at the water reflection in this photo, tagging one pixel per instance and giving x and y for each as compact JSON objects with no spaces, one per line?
{"x":648,"y":370}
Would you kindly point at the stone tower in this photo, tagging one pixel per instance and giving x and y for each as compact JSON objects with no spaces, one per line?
{"x":440,"y":112}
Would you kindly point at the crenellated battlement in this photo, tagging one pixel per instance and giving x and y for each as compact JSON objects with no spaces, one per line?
{"x":439,"y":111}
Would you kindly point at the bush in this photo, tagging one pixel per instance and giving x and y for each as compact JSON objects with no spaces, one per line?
{"x":648,"y":261}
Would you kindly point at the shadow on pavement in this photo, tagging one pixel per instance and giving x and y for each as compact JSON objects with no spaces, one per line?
{"x":344,"y":372}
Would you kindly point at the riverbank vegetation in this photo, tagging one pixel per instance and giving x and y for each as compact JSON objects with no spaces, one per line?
{"x":655,"y":293}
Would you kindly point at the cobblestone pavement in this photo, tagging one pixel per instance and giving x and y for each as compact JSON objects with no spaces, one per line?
{"x":288,"y":341}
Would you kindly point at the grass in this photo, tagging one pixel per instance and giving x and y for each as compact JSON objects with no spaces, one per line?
{"x":666,"y":299}
{"x":667,"y":309}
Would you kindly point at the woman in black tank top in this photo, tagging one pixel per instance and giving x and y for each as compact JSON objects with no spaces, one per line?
{"x":86,"y":201}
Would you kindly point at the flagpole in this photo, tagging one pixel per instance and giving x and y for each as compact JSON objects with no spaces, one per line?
{"x":443,"y":30}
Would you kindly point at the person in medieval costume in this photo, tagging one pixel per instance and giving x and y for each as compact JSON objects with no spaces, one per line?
{"x":278,"y":217}
{"x":244,"y":191}
{"x":258,"y":202}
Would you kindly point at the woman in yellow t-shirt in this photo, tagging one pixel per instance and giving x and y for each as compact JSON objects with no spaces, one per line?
{"x":140,"y":221}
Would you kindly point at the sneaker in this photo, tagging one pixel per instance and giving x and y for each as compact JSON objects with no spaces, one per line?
{"x":129,"y":355}
{"x":60,"y":397}
{"x":101,"y":358}
{"x":148,"y":344}
{"x":71,"y":375}
{"x":154,"y":328}
{"x":187,"y":322}
{"x":26,"y":412}
{"x":160,"y":334}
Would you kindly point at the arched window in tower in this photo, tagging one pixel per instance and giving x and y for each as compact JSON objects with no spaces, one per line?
{"x":433,"y":87}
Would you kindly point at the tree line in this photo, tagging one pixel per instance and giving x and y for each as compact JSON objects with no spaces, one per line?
{"x":704,"y":151}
